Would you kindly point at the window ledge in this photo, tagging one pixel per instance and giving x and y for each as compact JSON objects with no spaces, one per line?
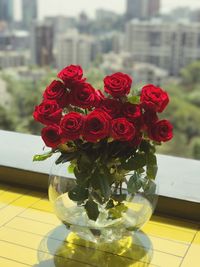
{"x":178,"y":178}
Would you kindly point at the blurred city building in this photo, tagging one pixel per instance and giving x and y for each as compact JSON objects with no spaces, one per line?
{"x":142,"y":9}
{"x":168,"y":42}
{"x":6,"y":11}
{"x":14,"y":40}
{"x":74,"y":48}
{"x":60,"y":23}
{"x":195,"y":16}
{"x":169,"y":46}
{"x":83,"y":23}
{"x":29,"y":13}
{"x":103,"y":14}
{"x":14,"y":49}
{"x":28,"y":73}
{"x":3,"y":26}
{"x":13,"y":59}
{"x":118,"y":42}
{"x":180,"y":13}
{"x":142,"y":72}
{"x":42,"y":44}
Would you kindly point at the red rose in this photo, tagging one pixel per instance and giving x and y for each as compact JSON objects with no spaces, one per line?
{"x":97,"y":126}
{"x":48,"y":112}
{"x":161,"y":131}
{"x":51,"y":136}
{"x":122,"y":129}
{"x":131,"y":111}
{"x":136,"y":140}
{"x":117,"y":84}
{"x":111,"y":106}
{"x":71,"y":126}
{"x":71,"y":74}
{"x":149,"y":118}
{"x":83,"y":96}
{"x":154,"y":98}
{"x":99,"y":97}
{"x":57,"y":91}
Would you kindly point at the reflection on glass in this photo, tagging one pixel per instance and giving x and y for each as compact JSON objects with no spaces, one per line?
{"x":72,"y":251}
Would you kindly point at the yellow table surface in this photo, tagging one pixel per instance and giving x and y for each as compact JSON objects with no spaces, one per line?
{"x":31,"y":235}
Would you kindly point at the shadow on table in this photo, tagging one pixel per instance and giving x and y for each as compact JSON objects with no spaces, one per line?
{"x":61,"y":249}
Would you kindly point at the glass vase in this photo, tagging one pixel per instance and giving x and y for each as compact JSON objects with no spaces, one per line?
{"x":112,"y":223}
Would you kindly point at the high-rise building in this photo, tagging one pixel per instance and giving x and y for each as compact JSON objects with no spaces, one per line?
{"x":6,"y":10}
{"x":170,"y":46}
{"x":29,"y":12}
{"x":153,"y":8}
{"x":74,"y":48}
{"x":14,"y":40}
{"x":13,"y":59}
{"x":42,"y":44}
{"x":142,"y":9}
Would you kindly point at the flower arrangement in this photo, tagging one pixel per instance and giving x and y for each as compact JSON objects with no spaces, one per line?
{"x":104,"y":135}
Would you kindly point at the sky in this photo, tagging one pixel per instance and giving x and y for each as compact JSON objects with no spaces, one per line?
{"x":74,"y":7}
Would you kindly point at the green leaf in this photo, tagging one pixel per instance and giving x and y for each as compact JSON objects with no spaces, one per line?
{"x":42,"y":157}
{"x":146,"y":147}
{"x":92,"y":209}
{"x":134,"y":99}
{"x":78,"y":193}
{"x":110,"y":177}
{"x":64,"y":157}
{"x":152,"y":167}
{"x":135,"y":163}
{"x":141,"y":170}
{"x":79,"y":110}
{"x":110,"y":204}
{"x":77,"y":173}
{"x":84,"y":162}
{"x":105,"y":187}
{"x":71,"y":168}
{"x":118,"y":197}
{"x":99,"y":181}
{"x":81,"y":176}
{"x":134,"y":183}
{"x":117,"y":211}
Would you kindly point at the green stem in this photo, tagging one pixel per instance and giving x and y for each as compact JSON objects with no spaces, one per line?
{"x":116,"y":187}
{"x":120,"y":188}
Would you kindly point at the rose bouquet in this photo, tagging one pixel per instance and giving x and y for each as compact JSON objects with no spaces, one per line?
{"x":108,"y":137}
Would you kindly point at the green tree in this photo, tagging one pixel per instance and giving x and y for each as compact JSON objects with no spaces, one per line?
{"x":195,"y":145}
{"x":7,"y":122}
{"x":190,"y":75}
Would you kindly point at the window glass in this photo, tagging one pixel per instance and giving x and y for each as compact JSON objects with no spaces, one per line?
{"x":154,"y":41}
